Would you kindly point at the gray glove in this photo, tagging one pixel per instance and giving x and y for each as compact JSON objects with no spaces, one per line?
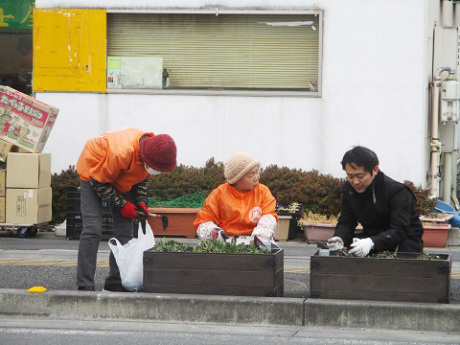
{"x":335,"y":243}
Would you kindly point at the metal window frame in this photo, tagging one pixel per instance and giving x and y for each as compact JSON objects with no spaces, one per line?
{"x":246,"y":93}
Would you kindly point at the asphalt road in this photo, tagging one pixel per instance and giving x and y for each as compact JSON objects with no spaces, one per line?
{"x":19,"y":331}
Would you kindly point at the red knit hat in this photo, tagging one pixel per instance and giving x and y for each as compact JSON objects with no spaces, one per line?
{"x":159,"y":152}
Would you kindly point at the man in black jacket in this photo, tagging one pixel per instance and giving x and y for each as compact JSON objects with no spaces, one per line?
{"x":384,"y":207}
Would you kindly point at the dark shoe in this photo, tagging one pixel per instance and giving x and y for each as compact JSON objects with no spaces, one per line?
{"x":114,"y":288}
{"x":86,"y":288}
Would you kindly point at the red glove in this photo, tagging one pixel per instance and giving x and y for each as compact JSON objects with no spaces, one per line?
{"x":142,"y":210}
{"x":129,"y":210}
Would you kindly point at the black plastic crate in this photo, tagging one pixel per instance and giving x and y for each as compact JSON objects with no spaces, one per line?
{"x":74,"y":226}
{"x":74,"y":221}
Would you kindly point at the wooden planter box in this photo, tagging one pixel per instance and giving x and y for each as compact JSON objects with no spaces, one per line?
{"x":214,"y":273}
{"x":405,"y":279}
{"x":435,"y":235}
{"x":180,"y":221}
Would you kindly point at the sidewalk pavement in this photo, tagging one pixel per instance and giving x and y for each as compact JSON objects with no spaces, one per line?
{"x":226,"y":309}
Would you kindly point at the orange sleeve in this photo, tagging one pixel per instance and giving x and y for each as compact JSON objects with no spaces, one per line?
{"x":210,"y":210}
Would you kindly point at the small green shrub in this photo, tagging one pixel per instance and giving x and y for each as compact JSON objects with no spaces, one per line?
{"x":186,"y":180}
{"x":424,"y":205}
{"x":318,"y":193}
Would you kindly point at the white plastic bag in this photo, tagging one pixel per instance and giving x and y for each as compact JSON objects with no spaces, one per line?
{"x":130,"y":258}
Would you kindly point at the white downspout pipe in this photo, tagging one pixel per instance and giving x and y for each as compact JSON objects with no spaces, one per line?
{"x":454,"y":170}
{"x":447,"y":181}
{"x":435,"y":145}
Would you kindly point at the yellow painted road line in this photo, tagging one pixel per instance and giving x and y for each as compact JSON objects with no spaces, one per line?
{"x":62,"y":263}
{"x":296,"y":270}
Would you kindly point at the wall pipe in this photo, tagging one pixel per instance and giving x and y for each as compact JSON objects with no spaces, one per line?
{"x":435,"y":145}
{"x":447,"y":181}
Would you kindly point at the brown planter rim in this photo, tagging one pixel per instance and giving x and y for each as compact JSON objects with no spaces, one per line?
{"x":438,"y":226}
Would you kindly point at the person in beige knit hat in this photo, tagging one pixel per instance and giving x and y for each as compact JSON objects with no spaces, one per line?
{"x":242,"y":207}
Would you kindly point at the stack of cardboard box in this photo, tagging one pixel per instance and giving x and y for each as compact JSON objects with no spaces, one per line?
{"x":25,"y":172}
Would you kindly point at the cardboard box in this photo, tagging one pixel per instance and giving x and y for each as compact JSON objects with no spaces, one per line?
{"x":2,"y":182}
{"x":28,"y":206}
{"x":6,"y":147}
{"x":2,"y":209}
{"x":25,"y":121}
{"x":28,"y":170}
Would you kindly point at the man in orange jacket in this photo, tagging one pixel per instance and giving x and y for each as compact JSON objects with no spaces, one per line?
{"x":242,"y":207}
{"x":114,"y":168}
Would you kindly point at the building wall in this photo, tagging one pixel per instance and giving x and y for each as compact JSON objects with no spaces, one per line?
{"x":374,"y":93}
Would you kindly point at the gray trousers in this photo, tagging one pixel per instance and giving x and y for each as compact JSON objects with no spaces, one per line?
{"x":91,"y":213}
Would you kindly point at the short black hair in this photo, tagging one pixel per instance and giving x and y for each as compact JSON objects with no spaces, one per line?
{"x":360,"y":156}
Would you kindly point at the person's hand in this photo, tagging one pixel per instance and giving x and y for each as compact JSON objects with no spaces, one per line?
{"x":141,"y":210}
{"x":129,"y":210}
{"x":361,"y":247}
{"x":262,"y":242}
{"x":219,"y":234}
{"x":335,"y":243}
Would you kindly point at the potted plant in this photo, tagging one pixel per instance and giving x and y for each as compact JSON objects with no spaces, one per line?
{"x":318,"y":227}
{"x":433,"y":216}
{"x":288,"y":217}
{"x":214,"y":268}
{"x":181,"y":213}
{"x":180,"y":194}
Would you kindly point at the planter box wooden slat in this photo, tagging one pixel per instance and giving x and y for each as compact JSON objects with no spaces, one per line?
{"x":404,"y":279}
{"x":215,"y":274}
{"x":360,"y":283}
{"x":387,"y":296}
{"x":197,"y":277}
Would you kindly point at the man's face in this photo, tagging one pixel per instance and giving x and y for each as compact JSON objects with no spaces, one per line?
{"x":359,"y":178}
{"x":248,"y":181}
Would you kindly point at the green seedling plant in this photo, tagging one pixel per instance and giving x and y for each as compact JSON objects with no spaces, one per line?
{"x":209,"y":246}
{"x":387,"y":255}
{"x":172,"y":246}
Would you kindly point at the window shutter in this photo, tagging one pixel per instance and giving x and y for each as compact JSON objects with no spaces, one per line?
{"x":230,"y":51}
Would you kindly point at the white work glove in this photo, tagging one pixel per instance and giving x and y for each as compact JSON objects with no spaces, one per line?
{"x":335,"y":243}
{"x":361,"y":247}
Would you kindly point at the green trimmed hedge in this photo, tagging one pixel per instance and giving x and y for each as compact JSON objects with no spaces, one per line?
{"x":189,"y":186}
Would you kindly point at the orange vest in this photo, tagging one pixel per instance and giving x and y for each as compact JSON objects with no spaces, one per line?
{"x":114,"y":158}
{"x":234,"y":211}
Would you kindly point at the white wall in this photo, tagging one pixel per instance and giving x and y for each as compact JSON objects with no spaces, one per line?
{"x":374,"y":94}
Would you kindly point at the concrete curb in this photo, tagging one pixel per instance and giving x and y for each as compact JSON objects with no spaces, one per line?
{"x":384,"y":315}
{"x":231,"y":309}
{"x":170,"y":307}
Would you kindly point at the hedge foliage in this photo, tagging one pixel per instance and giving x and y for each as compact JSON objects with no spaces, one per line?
{"x":189,"y":186}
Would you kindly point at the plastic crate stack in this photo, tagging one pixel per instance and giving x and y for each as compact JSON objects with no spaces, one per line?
{"x":74,"y":221}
